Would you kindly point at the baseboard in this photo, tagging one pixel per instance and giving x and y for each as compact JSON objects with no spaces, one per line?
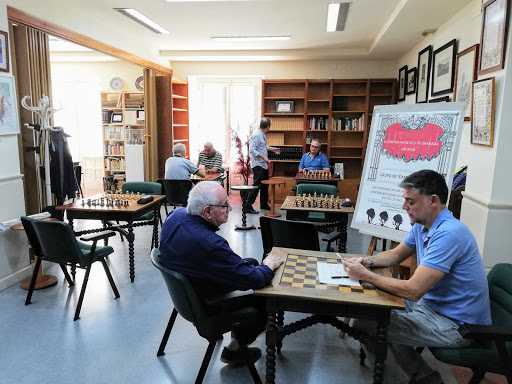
{"x":15,"y":277}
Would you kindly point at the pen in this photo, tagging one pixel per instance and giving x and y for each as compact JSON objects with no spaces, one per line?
{"x":336,"y":277}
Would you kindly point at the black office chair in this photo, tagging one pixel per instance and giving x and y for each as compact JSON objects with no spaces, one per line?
{"x":211,"y":322}
{"x":55,"y":241}
{"x":176,"y":192}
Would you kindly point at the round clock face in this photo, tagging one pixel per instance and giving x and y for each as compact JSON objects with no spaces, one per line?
{"x":116,"y":83}
{"x":139,"y":83}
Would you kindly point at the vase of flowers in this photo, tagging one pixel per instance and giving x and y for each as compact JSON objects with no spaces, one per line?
{"x":241,"y":145}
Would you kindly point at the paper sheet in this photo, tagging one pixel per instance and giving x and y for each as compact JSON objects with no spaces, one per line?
{"x":326,"y":271}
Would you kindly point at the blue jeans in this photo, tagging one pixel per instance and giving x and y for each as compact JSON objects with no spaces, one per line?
{"x":416,"y":326}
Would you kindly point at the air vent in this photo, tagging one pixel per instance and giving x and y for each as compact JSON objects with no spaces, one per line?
{"x":342,"y":16}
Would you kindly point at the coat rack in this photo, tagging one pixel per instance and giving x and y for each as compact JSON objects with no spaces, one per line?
{"x":45,"y":112}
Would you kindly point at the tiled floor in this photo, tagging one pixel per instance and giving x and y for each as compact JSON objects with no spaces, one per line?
{"x":115,"y":341}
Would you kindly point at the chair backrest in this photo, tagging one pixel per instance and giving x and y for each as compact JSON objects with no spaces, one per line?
{"x":28,"y":225}
{"x":288,"y":234}
{"x":148,"y":188}
{"x":183,"y":295}
{"x":176,"y":191}
{"x":500,"y":294}
{"x":58,"y":242}
{"x":455,"y":202}
{"x":318,"y":188}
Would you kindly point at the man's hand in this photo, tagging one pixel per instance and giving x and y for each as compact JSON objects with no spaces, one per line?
{"x":212,"y":170}
{"x":277,"y":151}
{"x":265,"y":159}
{"x":355,"y":268}
{"x":272,"y":261}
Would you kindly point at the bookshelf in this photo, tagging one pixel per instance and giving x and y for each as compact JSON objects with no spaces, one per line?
{"x":338,"y":112}
{"x":123,"y":122}
{"x":180,"y":124}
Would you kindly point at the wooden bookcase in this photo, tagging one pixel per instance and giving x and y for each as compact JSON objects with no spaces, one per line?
{"x":180,"y":125}
{"x":122,"y":112}
{"x":337,"y":112}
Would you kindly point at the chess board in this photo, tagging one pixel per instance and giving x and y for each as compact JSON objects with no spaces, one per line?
{"x":300,"y":271}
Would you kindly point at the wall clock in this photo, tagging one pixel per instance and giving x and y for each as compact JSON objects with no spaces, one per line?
{"x":116,"y":83}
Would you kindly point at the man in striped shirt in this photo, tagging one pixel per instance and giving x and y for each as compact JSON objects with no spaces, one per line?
{"x":212,"y":161}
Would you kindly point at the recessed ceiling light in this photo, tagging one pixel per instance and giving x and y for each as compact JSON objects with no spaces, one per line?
{"x":249,"y":38}
{"x":143,"y":20}
{"x":337,"y":16}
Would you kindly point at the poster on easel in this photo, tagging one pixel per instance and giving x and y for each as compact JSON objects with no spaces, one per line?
{"x":404,"y":139}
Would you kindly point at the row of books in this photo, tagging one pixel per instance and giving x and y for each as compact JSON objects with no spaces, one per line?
{"x":287,"y":153}
{"x":114,"y":133}
{"x":113,"y":149}
{"x":347,"y":124}
{"x":106,"y":116}
{"x":287,"y":123}
{"x":339,"y":103}
{"x":318,"y":123}
{"x":114,"y":164}
{"x":274,"y":139}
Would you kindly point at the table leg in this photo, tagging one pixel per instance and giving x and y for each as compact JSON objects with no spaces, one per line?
{"x":270,"y":376}
{"x":244,"y":226}
{"x":131,"y":253}
{"x":272,"y":201}
{"x":73,"y":266}
{"x":156,"y":215}
{"x":381,"y":349}
{"x":342,"y":244}
{"x":42,"y":281}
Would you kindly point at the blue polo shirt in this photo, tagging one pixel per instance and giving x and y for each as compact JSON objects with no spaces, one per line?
{"x":316,"y":163}
{"x":179,"y":168}
{"x":449,"y":246}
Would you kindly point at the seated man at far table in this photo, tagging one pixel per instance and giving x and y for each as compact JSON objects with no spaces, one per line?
{"x":315,"y":160}
{"x":178,"y":167}
{"x":189,"y":245}
{"x":212,"y":161}
{"x":449,"y":287}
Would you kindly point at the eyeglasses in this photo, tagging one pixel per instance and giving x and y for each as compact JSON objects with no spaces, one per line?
{"x":226,"y":205}
{"x":316,"y":146}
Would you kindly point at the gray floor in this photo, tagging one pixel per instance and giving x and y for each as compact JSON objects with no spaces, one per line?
{"x":115,"y":341}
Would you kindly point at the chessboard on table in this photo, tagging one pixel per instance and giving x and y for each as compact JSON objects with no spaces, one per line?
{"x":314,"y":175}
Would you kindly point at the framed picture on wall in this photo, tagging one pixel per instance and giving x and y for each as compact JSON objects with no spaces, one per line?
{"x":442,"y":99}
{"x":423,"y":75}
{"x":482,"y":105}
{"x":465,"y":74}
{"x":411,"y":81}
{"x":8,"y":107}
{"x":493,"y":36}
{"x":443,"y":68}
{"x":402,"y":81}
{"x":4,"y":52}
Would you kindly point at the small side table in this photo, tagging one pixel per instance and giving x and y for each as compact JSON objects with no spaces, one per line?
{"x":244,"y":194}
{"x":42,"y":281}
{"x":272,"y":183}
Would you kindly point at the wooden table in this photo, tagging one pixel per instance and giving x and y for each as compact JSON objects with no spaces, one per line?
{"x":42,"y":280}
{"x":338,"y":216}
{"x":272,"y":183}
{"x":108,"y":215}
{"x":295,"y":288}
{"x":209,"y":177}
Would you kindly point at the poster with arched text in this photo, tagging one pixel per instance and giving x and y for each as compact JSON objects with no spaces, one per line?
{"x":404,"y":139}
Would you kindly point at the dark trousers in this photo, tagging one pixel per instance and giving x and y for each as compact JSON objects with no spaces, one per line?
{"x":259,"y":174}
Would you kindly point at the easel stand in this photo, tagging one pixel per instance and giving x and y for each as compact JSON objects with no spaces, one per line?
{"x":402,"y":271}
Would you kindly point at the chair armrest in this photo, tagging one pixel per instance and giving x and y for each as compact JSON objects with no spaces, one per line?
{"x":330,"y":237}
{"x":485,"y":332}
{"x":98,"y":236}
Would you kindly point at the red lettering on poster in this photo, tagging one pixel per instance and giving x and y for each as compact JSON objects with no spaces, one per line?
{"x":415,"y":144}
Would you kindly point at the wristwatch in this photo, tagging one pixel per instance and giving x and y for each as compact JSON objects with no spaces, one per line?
{"x":370,"y":262}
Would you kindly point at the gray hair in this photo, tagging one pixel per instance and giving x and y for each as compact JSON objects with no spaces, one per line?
{"x":202,"y":195}
{"x":178,"y":149}
{"x":208,"y":144}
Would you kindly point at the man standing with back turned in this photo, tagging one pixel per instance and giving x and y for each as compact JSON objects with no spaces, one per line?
{"x":258,"y":152}
{"x":448,"y":289}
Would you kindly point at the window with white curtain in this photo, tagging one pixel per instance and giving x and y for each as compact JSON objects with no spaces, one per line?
{"x":217,"y":103}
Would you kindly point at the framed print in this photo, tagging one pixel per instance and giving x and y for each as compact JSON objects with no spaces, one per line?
{"x":482,"y":105}
{"x":424,"y":67}
{"x":465,"y":74}
{"x":493,"y":36}
{"x":411,"y":81}
{"x":117,"y":117}
{"x":402,"y":80}
{"x":443,"y":68}
{"x":4,"y":52}
{"x":8,"y":107}
{"x":284,"y":106}
{"x":440,"y":99}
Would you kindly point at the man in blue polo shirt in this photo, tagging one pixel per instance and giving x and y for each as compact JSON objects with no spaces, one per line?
{"x":314,"y":160}
{"x":448,"y":289}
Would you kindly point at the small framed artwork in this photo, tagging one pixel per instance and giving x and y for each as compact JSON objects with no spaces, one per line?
{"x":116,"y":118}
{"x":442,"y":99}
{"x":465,"y":74}
{"x":482,"y":105}
{"x":411,"y":81}
{"x":424,"y":67}
{"x":402,"y":80}
{"x":4,"y":52}
{"x":284,"y":106}
{"x":443,"y":72}
{"x":8,"y":107}
{"x":493,"y":36}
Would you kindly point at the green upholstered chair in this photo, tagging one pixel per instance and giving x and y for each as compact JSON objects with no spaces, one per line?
{"x":55,"y":241}
{"x":147,"y":188}
{"x":491,"y":350}
{"x":211,"y":322}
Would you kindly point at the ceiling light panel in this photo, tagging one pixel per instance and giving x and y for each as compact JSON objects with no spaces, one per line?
{"x":250,"y":38}
{"x":143,"y":20}
{"x":337,"y":14}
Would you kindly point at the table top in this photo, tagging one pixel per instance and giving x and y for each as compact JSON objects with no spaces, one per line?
{"x":288,"y":205}
{"x":273,"y":181}
{"x":133,"y":207}
{"x":243,"y":187}
{"x":19,"y":227}
{"x":297,"y":278}
{"x":208,"y":177}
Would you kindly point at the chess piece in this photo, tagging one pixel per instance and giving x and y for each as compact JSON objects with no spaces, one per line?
{"x":83,"y":202}
{"x":89,"y":202}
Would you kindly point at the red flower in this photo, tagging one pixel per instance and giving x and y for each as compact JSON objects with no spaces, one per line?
{"x":243,"y":161}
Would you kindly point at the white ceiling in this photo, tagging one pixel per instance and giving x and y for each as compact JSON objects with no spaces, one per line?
{"x":375,"y":29}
